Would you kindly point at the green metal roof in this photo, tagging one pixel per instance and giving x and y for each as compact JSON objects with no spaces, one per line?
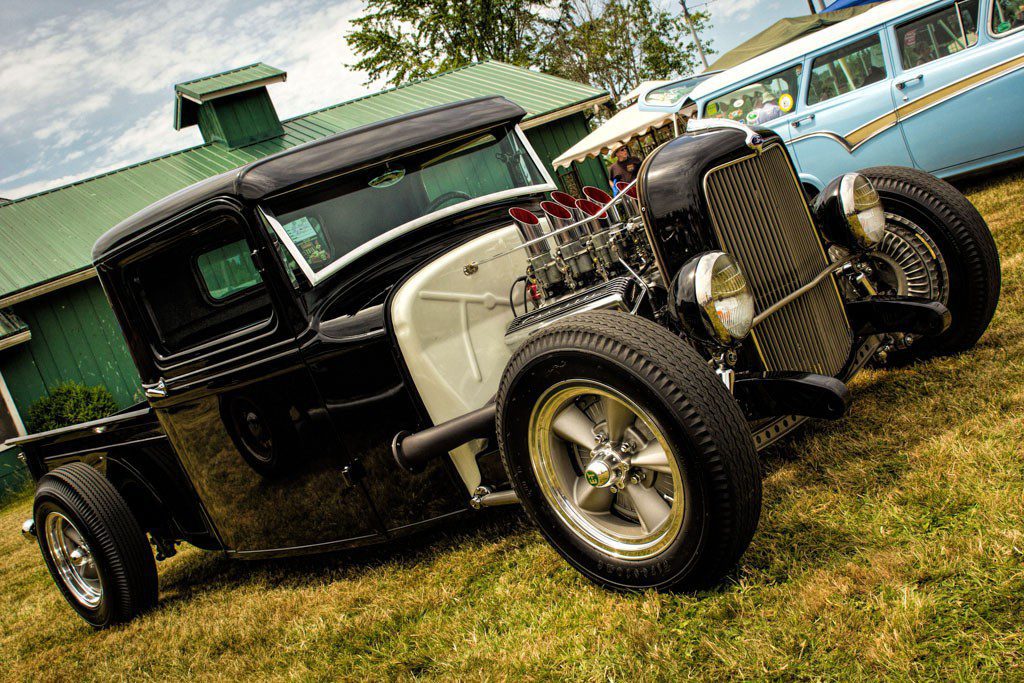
{"x":188,"y":95}
{"x":48,"y":235}
{"x":207,"y":86}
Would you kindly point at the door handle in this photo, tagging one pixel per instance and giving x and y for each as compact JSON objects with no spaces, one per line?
{"x":158,"y":390}
{"x":806,"y":119}
{"x":900,"y":85}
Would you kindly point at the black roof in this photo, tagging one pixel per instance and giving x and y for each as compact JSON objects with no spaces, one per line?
{"x":369,"y":144}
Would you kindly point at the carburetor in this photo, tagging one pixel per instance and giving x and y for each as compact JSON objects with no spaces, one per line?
{"x":578,"y":243}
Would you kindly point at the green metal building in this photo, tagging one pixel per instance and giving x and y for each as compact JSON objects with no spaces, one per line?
{"x":55,"y":323}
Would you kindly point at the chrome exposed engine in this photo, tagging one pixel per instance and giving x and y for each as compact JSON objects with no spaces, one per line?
{"x":583,"y":253}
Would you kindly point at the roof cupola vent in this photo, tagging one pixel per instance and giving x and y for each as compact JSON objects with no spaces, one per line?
{"x":232,"y":107}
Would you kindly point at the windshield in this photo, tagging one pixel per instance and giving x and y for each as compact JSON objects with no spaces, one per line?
{"x":673,"y":93}
{"x":341,"y":219}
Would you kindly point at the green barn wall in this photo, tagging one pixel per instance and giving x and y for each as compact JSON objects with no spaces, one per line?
{"x":551,"y":139}
{"x":74,"y":337}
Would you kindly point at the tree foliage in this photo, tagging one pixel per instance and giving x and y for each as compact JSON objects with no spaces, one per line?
{"x":402,"y":40}
{"x":616,"y":44}
{"x":611,"y":44}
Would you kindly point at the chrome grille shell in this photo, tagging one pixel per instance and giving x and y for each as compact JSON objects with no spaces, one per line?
{"x":760,"y":217}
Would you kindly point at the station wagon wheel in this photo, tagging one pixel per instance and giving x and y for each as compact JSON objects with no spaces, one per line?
{"x":94,"y":548}
{"x":628,"y":453}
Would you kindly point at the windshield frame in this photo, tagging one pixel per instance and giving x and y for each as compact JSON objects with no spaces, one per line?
{"x":672,"y":108}
{"x":317,"y":276}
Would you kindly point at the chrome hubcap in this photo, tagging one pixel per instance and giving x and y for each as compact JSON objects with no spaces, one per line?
{"x":606,"y":468}
{"x":73,"y":559}
{"x":911,"y":263}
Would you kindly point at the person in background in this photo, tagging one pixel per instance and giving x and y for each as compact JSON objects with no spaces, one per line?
{"x":769,"y":109}
{"x":625,"y":167}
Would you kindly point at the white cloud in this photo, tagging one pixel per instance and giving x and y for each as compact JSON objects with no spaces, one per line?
{"x":95,"y":87}
{"x":734,"y":10}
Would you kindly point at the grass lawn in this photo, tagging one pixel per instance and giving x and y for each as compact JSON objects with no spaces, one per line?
{"x":891,"y":546}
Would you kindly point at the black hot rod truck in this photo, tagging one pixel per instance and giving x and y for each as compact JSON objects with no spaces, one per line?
{"x":355,"y":338}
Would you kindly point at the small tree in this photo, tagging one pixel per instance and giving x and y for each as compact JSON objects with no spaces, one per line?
{"x":68,"y":404}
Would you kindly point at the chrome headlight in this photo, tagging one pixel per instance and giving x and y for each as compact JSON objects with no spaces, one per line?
{"x":849,"y":212}
{"x":711,"y":298}
{"x":862,"y":208}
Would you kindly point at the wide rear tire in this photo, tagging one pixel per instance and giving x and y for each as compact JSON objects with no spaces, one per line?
{"x":679,"y":523}
{"x":95,"y":550}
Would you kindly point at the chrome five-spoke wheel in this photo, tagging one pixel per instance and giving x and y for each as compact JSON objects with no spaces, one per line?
{"x":73,"y":559}
{"x":604,"y":465}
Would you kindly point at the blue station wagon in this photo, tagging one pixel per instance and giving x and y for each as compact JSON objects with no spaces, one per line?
{"x":935,"y":85}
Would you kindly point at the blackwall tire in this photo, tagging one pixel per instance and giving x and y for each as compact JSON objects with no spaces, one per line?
{"x":630,"y":361}
{"x":112,"y":577}
{"x":968,"y":254}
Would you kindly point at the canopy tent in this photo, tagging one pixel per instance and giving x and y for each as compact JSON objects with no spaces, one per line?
{"x":787,"y":30}
{"x":627,"y":124}
{"x":843,"y":4}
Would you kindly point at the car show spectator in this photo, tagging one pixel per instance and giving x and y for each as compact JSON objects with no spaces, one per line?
{"x":625,"y":167}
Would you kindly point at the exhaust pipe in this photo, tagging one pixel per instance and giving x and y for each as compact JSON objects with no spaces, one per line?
{"x":413,"y":451}
{"x":630,"y":206}
{"x":569,"y":202}
{"x":530,"y":229}
{"x":602,"y":198}
{"x":599,"y":219}
{"x":558,"y":217}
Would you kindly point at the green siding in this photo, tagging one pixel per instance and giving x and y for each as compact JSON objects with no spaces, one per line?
{"x":74,"y":337}
{"x":13,"y":475}
{"x":552,"y":139}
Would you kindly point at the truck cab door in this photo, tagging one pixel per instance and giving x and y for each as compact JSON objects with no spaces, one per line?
{"x":958,"y":99}
{"x":230,"y":388}
{"x":847,"y":122}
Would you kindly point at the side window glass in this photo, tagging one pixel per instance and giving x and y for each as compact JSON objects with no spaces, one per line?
{"x":846,"y":69}
{"x":1007,"y":15}
{"x":227,"y":270}
{"x":761,"y":101}
{"x":941,"y":33}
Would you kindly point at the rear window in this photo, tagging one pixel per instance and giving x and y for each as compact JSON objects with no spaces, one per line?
{"x":849,"y":68}
{"x":201,"y":288}
{"x":941,"y":33}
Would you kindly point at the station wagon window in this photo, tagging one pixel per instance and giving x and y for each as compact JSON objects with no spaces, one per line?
{"x":761,"y":101}
{"x":939,"y":34}
{"x":1007,"y":16}
{"x":200,"y":288}
{"x":339,"y":220}
{"x":847,"y":69}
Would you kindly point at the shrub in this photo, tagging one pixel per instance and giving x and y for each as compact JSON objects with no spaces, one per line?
{"x":70,"y":403}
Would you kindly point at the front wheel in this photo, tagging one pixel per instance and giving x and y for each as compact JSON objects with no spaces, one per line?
{"x":936,"y":246}
{"x":628,"y":453}
{"x":95,"y":551}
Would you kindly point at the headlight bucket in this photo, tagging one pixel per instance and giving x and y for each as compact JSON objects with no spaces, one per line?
{"x":711,"y":298}
{"x":849,"y":212}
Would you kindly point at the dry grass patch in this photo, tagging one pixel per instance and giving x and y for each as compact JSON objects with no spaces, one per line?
{"x":890,"y":547}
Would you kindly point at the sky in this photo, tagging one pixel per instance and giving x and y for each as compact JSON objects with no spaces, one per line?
{"x":88,"y":84}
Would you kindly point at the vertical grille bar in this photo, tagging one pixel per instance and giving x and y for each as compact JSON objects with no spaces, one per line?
{"x":759,"y":213}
